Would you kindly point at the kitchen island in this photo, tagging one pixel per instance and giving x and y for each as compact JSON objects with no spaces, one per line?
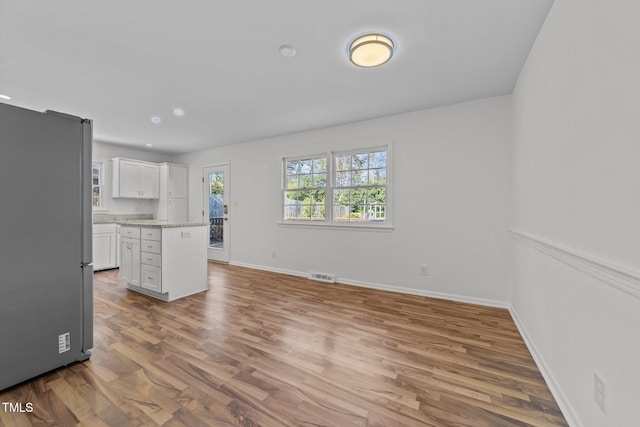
{"x":166,"y":260}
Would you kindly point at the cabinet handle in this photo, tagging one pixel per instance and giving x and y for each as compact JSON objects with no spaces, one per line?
{"x":150,"y":247}
{"x":149,"y":278}
{"x":149,"y":259}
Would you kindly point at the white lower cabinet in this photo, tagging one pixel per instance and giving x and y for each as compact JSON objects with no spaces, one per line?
{"x":151,"y":259}
{"x":151,"y":278}
{"x":165,"y":263}
{"x":105,"y":247}
{"x":130,"y":260}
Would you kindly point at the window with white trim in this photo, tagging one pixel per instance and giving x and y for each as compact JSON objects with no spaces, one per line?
{"x":97,"y":187}
{"x":339,"y":188}
{"x":305,"y":182}
{"x":360,"y":186}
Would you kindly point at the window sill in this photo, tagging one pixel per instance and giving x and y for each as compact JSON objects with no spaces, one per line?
{"x":321,"y":225}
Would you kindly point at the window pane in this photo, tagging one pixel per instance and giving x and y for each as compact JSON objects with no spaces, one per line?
{"x":294,"y":195}
{"x":343,"y":163}
{"x":343,"y":179}
{"x":360,"y":177}
{"x":318,"y":197}
{"x":320,"y":180}
{"x":306,"y":181}
{"x":319,"y":165}
{"x":341,"y":197}
{"x":305,"y":166}
{"x":377,"y":196}
{"x":358,"y":213}
{"x":341,"y":213}
{"x":293,"y":167}
{"x":376,"y":212}
{"x":378,"y":159}
{"x":292,"y":211}
{"x":377,"y":176}
{"x":317,"y":213}
{"x":360,"y":161}
{"x":292,"y":182}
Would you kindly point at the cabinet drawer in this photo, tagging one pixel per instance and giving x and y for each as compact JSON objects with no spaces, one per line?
{"x":132,"y":232}
{"x":104,"y":228}
{"x":150,"y":259}
{"x":151,"y":233}
{"x":151,"y":278}
{"x":151,"y":246}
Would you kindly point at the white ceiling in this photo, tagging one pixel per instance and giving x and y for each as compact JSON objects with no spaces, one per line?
{"x":121,"y":62}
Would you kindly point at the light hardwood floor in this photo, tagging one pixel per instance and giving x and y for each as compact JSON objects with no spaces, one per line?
{"x":268,"y":349}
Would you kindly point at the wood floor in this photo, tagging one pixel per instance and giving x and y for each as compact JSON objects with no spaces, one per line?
{"x":264,"y":349}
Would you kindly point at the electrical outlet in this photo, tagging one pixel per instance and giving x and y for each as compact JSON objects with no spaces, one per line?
{"x":273,"y":253}
{"x":599,"y":392}
{"x":424,"y":270}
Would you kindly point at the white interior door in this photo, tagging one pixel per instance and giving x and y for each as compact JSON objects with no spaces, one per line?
{"x":216,"y":211}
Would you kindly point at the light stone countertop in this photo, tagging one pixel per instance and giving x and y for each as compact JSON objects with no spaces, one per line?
{"x":160,"y":224}
{"x":107,"y":218}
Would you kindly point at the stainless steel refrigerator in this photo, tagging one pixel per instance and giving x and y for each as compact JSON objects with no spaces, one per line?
{"x":46,"y":275}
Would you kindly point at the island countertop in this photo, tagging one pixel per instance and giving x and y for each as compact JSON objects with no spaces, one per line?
{"x":159,"y":223}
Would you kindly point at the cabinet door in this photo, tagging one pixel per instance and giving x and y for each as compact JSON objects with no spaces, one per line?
{"x":104,"y":251}
{"x":178,"y":181}
{"x":130,"y":261}
{"x":149,"y":179}
{"x":129,"y":179}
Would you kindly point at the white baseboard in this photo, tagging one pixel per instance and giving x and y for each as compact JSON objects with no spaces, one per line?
{"x":271,"y":269}
{"x":561,"y":399}
{"x":384,"y":287}
{"x":425,"y":293}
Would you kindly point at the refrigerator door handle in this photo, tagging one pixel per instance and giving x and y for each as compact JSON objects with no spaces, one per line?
{"x":87,"y":213}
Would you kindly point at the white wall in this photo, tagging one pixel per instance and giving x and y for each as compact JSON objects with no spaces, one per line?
{"x":451,"y":203}
{"x":577,"y":187}
{"x":103,"y":152}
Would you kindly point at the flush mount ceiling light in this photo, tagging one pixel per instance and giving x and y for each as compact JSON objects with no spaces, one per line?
{"x":287,"y":51}
{"x":371,"y":50}
{"x":156,"y":120}
{"x":149,"y":145}
{"x":178,"y":112}
{"x":5,"y":97}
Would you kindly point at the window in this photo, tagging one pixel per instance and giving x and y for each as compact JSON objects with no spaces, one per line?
{"x":341,"y":188}
{"x":305,"y":183}
{"x":360,"y":186}
{"x":96,"y":186}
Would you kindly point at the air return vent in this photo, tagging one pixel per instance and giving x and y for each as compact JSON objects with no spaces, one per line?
{"x":64,"y":342}
{"x":323,"y":277}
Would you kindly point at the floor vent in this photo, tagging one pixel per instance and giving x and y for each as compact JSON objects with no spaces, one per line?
{"x":323,"y":277}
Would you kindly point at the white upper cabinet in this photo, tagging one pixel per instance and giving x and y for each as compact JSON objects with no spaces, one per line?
{"x":174,"y":193}
{"x":177,"y":181}
{"x":135,"y":179}
{"x":149,"y":181}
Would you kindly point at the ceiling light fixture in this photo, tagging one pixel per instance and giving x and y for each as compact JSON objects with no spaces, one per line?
{"x":156,"y":120}
{"x":149,"y":145}
{"x":371,"y":50}
{"x":178,"y":112}
{"x":5,"y":97}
